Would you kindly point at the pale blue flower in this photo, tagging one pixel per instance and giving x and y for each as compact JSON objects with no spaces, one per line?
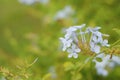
{"x":75,"y":55}
{"x":97,"y":37}
{"x":68,"y":10}
{"x":100,"y":66}
{"x":96,"y":40}
{"x":105,"y":43}
{"x":71,"y":29}
{"x":65,"y":13}
{"x":74,"y":37}
{"x":71,"y":32}
{"x":73,"y":51}
{"x":29,"y":2}
{"x":80,"y":26}
{"x":106,"y":62}
{"x":94,"y":47}
{"x":52,"y":71}
{"x":66,"y":43}
{"x":102,"y":71}
{"x":116,"y":59}
{"x":76,"y":33}
{"x":89,"y":29}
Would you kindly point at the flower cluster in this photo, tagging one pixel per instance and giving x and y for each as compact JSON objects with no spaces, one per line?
{"x":70,"y":41}
{"x":77,"y":40}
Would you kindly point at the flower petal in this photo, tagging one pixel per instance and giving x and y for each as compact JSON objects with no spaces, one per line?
{"x":75,"y":55}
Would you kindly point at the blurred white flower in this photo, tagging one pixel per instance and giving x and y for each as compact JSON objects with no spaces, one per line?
{"x":75,"y":55}
{"x":3,"y":78}
{"x":30,"y":2}
{"x":102,"y":71}
{"x":105,"y":43}
{"x":65,"y":13}
{"x":106,"y":62}
{"x":52,"y":71}
{"x":100,"y":66}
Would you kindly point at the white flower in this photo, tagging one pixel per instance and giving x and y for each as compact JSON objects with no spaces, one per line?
{"x":72,"y":30}
{"x":102,"y":71}
{"x":116,"y":59}
{"x":68,"y":10}
{"x":105,"y":43}
{"x":96,"y":40}
{"x":75,"y":33}
{"x":74,"y":37}
{"x":106,"y":62}
{"x":100,"y":66}
{"x":52,"y":71}
{"x":66,"y":43}
{"x":94,"y":47}
{"x":97,"y":37}
{"x":69,"y":32}
{"x":29,"y":2}
{"x":80,"y":26}
{"x":89,"y":29}
{"x":75,"y":55}
{"x":65,"y":13}
{"x":73,"y":51}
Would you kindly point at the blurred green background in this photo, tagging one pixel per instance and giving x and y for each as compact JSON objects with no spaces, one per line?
{"x":28,"y":32}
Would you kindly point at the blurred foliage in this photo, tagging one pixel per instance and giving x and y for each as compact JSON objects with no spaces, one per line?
{"x":30,"y":31}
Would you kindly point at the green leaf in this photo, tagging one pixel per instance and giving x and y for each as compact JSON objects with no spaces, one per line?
{"x":99,"y":59}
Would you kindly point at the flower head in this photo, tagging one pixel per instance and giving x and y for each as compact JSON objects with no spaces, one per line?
{"x":75,"y":40}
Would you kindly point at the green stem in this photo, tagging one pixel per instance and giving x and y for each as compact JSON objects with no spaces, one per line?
{"x":115,"y":43}
{"x":85,"y":63}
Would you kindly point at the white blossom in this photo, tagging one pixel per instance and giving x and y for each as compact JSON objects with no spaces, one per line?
{"x":73,"y":51}
{"x":52,"y":71}
{"x":96,"y":40}
{"x":65,"y":13}
{"x":69,"y":32}
{"x":106,"y":62}
{"x":94,"y":47}
{"x":30,"y":2}
{"x":105,"y":43}
{"x":75,"y":55}
{"x":76,"y":34}
{"x":66,"y":43}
